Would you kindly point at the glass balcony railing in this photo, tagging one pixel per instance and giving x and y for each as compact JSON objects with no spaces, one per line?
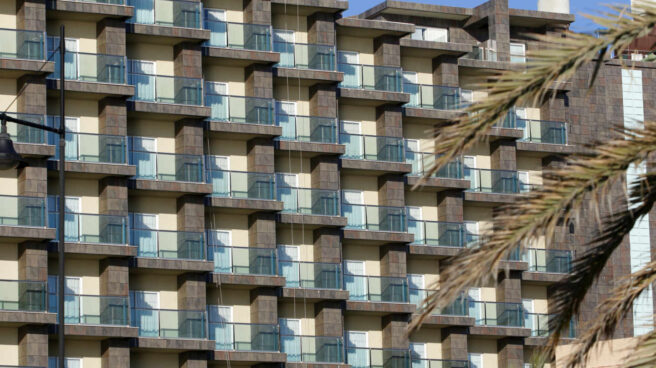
{"x":242,"y":260}
{"x":240,"y":184}
{"x":541,"y":131}
{"x":436,"y":97}
{"x":373,"y":77}
{"x":423,"y":162}
{"x":305,"y":56}
{"x":458,"y":308}
{"x":23,"y":211}
{"x":308,"y":201}
{"x":307,"y":128}
{"x":86,"y":67}
{"x":377,"y":358}
{"x":92,"y":309}
{"x":371,"y":147}
{"x":168,"y":244}
{"x":482,"y":53}
{"x":439,"y":363}
{"x":239,"y":109}
{"x":440,"y":234}
{"x":244,"y":336}
{"x":94,"y":148}
{"x":510,"y":121}
{"x":495,"y":181}
{"x":375,"y":218}
{"x":244,"y":36}
{"x":19,"y":295}
{"x":92,"y":228}
{"x":112,"y":2}
{"x":548,"y":260}
{"x":169,"y":13}
{"x":22,"y":44}
{"x":311,"y":275}
{"x":538,"y":323}
{"x":167,"y":166}
{"x":169,"y":323}
{"x":167,"y":89}
{"x":24,"y":134}
{"x":377,"y":288}
{"x":497,"y":314}
{"x":312,"y":349}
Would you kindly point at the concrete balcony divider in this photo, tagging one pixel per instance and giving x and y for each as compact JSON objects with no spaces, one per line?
{"x":312,"y":349}
{"x":169,"y":323}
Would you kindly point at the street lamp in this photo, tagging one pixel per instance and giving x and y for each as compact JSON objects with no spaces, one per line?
{"x":9,"y":159}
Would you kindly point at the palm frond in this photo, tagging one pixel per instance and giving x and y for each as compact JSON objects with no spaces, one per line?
{"x":583,"y":180}
{"x":644,"y":355}
{"x":555,"y":62}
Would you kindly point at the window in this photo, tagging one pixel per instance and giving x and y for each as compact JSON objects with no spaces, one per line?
{"x":410,"y":77}
{"x":217,"y":88}
{"x":215,"y":15}
{"x":142,"y":67}
{"x":414,"y":213}
{"x":524,"y":184}
{"x":431,"y":34}
{"x":348,"y":57}
{"x":517,"y":52}
{"x":353,"y":196}
{"x":476,"y":360}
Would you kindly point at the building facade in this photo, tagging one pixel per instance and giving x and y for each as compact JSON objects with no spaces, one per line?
{"x":239,"y":183}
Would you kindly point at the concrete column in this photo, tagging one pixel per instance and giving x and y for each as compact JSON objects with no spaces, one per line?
{"x":32,"y":261}
{"x":259,"y":81}
{"x":193,"y":359}
{"x":327,"y":246}
{"x":323,"y":100}
{"x":503,"y":155}
{"x":321,"y":28}
{"x":191,"y":213}
{"x":449,"y":206}
{"x":113,"y":116}
{"x":33,"y":99}
{"x":188,"y":60}
{"x":454,"y":343}
{"x":115,"y":353}
{"x":262,"y":230}
{"x":387,"y":51}
{"x":33,"y":346}
{"x":445,"y":71}
{"x":261,"y":156}
{"x":325,"y":172}
{"x":189,"y":137}
{"x":191,"y":291}
{"x":31,"y":15}
{"x":328,"y":319}
{"x":33,"y":180}
{"x":114,"y":196}
{"x":110,"y":34}
{"x":257,"y":11}
{"x":511,"y":352}
{"x":395,"y":327}
{"x":264,"y":305}
{"x":509,"y":287}
{"x":114,"y":276}
{"x":499,"y":26}
{"x":391,"y":190}
{"x":389,"y":121}
{"x":393,"y":260}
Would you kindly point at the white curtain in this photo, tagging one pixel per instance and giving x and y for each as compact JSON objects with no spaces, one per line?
{"x":222,"y":254}
{"x":144,"y":11}
{"x":289,"y":266}
{"x":146,"y":313}
{"x":354,"y":280}
{"x":145,"y":232}
{"x":290,"y":331}
{"x":220,"y":318}
{"x":357,"y":349}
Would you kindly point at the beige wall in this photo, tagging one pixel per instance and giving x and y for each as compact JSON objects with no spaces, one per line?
{"x":296,"y":165}
{"x":608,"y":354}
{"x":8,"y":261}
{"x":304,"y":311}
{"x":298,"y":24}
{"x":430,"y":268}
{"x":368,"y":184}
{"x":85,"y":269}
{"x":426,"y":200}
{"x":86,"y":189}
{"x":420,"y":132}
{"x":486,"y":347}
{"x":162,"y":55}
{"x":159,"y":359}
{"x":290,"y":91}
{"x":366,"y":115}
{"x":165,"y":208}
{"x":422,"y":66}
{"x":9,"y":182}
{"x":371,"y":324}
{"x":432,"y":338}
{"x":9,"y":345}
{"x":166,"y":285}
{"x":233,"y":76}
{"x":539,"y":295}
{"x":237,"y":224}
{"x":239,"y":299}
{"x":84,"y":31}
{"x":369,"y":254}
{"x":235,"y":150}
{"x":234,"y":9}
{"x":364,"y":46}
{"x":7,"y":94}
{"x":8,"y":14}
{"x":163,"y":130}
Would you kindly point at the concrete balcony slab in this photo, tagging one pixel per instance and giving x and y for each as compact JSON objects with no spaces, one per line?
{"x":314,"y":295}
{"x":310,"y":149}
{"x":243,"y":205}
{"x":16,"y":68}
{"x":238,"y":57}
{"x":370,"y":167}
{"x":367,"y":97}
{"x":434,"y":184}
{"x":242,"y":131}
{"x":248,"y":281}
{"x":170,"y":266}
{"x":63,"y":9}
{"x":375,"y":237}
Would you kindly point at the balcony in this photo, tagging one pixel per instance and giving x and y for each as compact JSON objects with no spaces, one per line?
{"x":22,"y":52}
{"x":484,"y":60}
{"x":99,"y":315}
{"x":308,"y":134}
{"x":93,"y":234}
{"x":172,"y":21}
{"x":375,"y":223}
{"x":548,"y":260}
{"x":446,"y":101}
{"x":372,"y":84}
{"x":312,"y":349}
{"x":91,"y":75}
{"x":23,"y":218}
{"x":250,"y":266}
{"x":456,"y":314}
{"x":169,"y":172}
{"x":311,"y":63}
{"x":168,"y":95}
{"x":538,"y":323}
{"x":92,"y":9}
{"x":377,"y":154}
{"x":313,"y":207}
{"x":441,"y":234}
{"x":239,"y":109}
{"x":240,"y":190}
{"x":377,"y":358}
{"x":543,"y":137}
{"x":241,"y":44}
{"x":497,"y":318}
{"x":252,"y":337}
{"x":27,"y":140}
{"x":312,"y":280}
{"x":18,"y":296}
{"x":439,"y":363}
{"x":382,"y":289}
{"x":494,"y":185}
{"x":170,"y":250}
{"x":182,"y":325}
{"x":450,"y":176}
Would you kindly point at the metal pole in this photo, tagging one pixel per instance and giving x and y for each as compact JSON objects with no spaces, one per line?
{"x":62,"y":200}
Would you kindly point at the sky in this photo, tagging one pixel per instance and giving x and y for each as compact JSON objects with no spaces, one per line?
{"x":578,"y":7}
